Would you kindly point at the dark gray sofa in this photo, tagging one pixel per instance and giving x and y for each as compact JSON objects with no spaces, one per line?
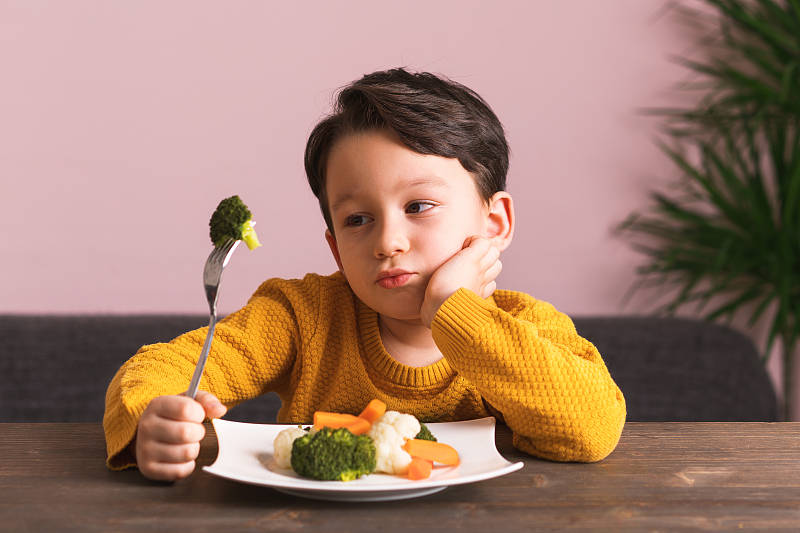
{"x":57,"y":368}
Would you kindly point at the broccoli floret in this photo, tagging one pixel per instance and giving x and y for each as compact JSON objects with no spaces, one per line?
{"x":425,"y":433}
{"x":232,"y":219}
{"x":333,"y":455}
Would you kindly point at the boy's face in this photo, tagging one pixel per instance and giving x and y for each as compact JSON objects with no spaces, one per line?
{"x":393,"y":211}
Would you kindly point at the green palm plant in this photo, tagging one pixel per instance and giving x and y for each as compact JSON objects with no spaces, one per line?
{"x":727,"y":239}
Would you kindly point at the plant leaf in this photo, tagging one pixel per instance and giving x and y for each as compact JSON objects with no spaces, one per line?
{"x":762,"y":306}
{"x":735,"y":304}
{"x":730,"y":231}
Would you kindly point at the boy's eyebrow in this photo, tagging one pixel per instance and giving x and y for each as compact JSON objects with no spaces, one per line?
{"x":342,"y":199}
{"x":427,"y":180}
{"x":433,"y":180}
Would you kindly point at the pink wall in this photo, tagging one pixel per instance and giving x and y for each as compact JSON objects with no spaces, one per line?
{"x":124,"y":123}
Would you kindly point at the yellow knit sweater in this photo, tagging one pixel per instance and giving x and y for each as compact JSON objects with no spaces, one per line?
{"x":319,"y":347}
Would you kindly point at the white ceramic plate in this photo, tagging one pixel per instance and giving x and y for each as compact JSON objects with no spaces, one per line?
{"x":245,"y":455}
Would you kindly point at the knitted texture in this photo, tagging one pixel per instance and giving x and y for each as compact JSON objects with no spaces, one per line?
{"x":319,"y":347}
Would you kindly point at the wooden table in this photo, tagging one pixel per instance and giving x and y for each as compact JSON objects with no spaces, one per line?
{"x":662,"y":477}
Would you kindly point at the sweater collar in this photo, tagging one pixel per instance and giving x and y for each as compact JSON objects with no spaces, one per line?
{"x":394,"y":371}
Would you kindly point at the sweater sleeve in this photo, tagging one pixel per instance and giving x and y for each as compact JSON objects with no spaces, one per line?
{"x":252,"y":352}
{"x":550,"y":384}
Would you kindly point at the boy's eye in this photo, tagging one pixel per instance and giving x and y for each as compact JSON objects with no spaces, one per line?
{"x":355,"y":220}
{"x":419,"y":207}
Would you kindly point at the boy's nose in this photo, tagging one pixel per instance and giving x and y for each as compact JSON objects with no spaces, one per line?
{"x":391,"y":241}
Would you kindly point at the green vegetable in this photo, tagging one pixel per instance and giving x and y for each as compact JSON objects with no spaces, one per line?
{"x":333,"y":455}
{"x":233,"y":220}
{"x":425,"y":433}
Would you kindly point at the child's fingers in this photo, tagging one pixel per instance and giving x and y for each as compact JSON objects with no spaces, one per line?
{"x":178,"y":408}
{"x":490,"y":257}
{"x":212,"y":406}
{"x":167,"y":471}
{"x":468,"y":241}
{"x":477,"y":243}
{"x":168,"y":437}
{"x":159,"y":452}
{"x":489,"y":289}
{"x":493,"y":271}
{"x":489,"y":276}
{"x":480,"y":251}
{"x":170,"y":431}
{"x":484,"y":249}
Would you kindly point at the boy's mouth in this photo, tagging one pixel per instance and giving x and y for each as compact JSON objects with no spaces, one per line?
{"x":391,"y":279}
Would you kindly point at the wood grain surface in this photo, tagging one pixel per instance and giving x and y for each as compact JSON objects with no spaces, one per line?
{"x":661,"y":477}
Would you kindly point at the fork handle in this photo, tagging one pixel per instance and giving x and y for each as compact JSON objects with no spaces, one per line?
{"x":191,"y":392}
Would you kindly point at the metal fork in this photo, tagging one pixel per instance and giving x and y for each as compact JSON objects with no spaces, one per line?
{"x":212,"y":273}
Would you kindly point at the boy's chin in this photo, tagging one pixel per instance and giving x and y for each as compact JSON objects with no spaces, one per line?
{"x":411,"y":320}
{"x":411,"y":316}
{"x":403,"y":305}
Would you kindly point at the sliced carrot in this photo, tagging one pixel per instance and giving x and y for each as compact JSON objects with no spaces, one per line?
{"x":373,"y":411}
{"x":432,"y":451}
{"x":325,"y":419}
{"x":419,"y":468}
{"x":359,"y":427}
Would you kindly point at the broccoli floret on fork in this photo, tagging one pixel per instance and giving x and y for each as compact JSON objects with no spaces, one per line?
{"x":233,"y":220}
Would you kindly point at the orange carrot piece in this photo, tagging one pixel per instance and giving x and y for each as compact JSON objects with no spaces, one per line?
{"x":373,"y":411}
{"x":419,"y":468}
{"x":325,"y":419}
{"x":359,"y":427}
{"x":432,"y":451}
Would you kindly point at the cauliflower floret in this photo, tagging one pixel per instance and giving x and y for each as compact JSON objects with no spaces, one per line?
{"x":283,"y":445}
{"x":389,"y":433}
{"x":406,"y":425}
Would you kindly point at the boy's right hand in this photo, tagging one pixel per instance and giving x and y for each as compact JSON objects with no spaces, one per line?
{"x":169,"y":434}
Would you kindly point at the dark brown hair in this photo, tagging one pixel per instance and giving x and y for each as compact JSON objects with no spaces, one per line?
{"x":430,"y":114}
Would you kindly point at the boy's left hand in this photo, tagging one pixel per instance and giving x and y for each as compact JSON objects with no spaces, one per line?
{"x":474,"y":267}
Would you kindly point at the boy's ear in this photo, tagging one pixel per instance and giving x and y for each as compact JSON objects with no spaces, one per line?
{"x":500,"y":220}
{"x":334,"y":249}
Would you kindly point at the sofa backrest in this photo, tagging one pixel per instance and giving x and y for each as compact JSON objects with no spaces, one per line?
{"x":678,"y":369}
{"x":57,"y":367}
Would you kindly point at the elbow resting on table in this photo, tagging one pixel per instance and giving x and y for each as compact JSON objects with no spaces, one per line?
{"x":585,"y":440}
{"x":597,"y":447}
{"x":598,"y":433}
{"x":596,"y":437}
{"x":598,"y":430}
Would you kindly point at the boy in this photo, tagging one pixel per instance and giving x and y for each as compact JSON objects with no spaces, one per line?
{"x":409,"y":172}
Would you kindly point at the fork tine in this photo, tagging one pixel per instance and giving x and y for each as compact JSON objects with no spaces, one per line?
{"x":212,"y":257}
{"x":221,"y":251}
{"x":218,"y":258}
{"x":232,"y":244}
{"x":212,"y":262}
